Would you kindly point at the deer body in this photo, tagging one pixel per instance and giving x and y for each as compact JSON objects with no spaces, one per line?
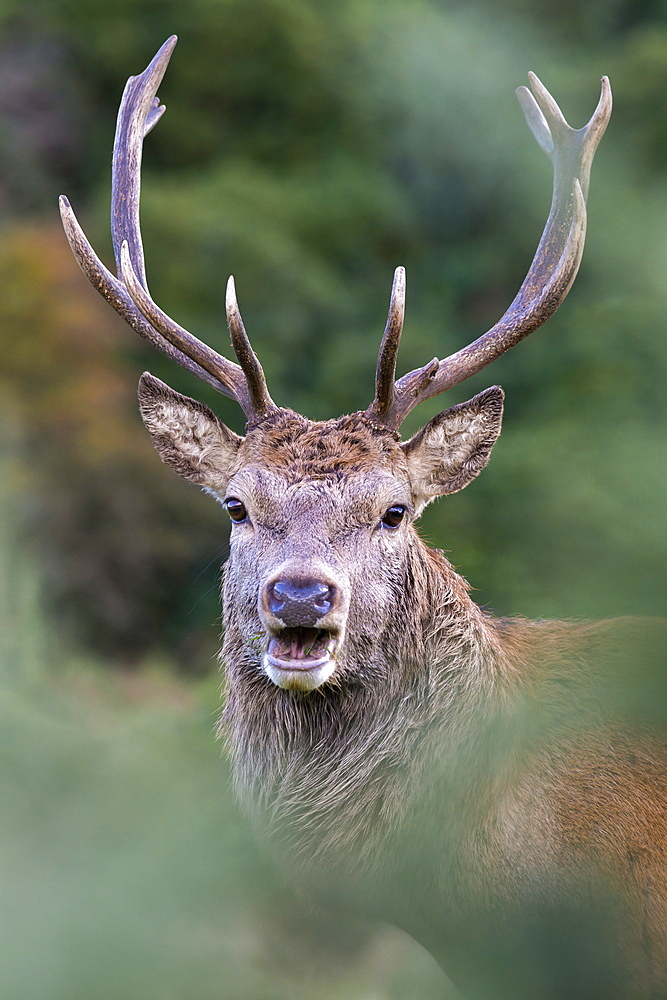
{"x":407,"y":755}
{"x":438,"y":783}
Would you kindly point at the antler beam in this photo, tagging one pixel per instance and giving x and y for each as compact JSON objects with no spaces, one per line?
{"x":138,"y":114}
{"x":549,"y":278}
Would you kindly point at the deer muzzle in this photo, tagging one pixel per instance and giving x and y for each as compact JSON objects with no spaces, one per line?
{"x":303,"y":618}
{"x":300,"y":602}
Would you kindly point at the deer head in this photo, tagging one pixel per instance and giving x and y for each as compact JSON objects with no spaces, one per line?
{"x":322,"y":512}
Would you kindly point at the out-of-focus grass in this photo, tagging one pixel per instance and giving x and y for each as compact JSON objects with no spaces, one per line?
{"x":126,"y":870}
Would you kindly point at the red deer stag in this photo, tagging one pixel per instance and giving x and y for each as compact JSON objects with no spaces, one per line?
{"x":407,"y":754}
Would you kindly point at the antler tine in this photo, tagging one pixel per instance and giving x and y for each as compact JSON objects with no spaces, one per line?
{"x":259,"y":394}
{"x":554,"y":265}
{"x":138,"y":113}
{"x":385,"y":372}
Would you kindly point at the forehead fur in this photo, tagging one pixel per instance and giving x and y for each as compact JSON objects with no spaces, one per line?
{"x":301,"y":449}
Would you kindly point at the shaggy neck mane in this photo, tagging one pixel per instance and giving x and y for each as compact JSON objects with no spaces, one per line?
{"x":300,"y":759}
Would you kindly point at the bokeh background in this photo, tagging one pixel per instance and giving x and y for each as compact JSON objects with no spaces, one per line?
{"x":308,"y":147}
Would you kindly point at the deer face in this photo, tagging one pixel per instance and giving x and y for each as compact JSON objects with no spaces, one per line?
{"x":322,"y":517}
{"x":305,"y":561}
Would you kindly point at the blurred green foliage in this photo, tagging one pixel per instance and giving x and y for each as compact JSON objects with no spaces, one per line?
{"x":310,"y":147}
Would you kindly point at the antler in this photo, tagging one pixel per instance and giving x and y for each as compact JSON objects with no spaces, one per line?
{"x":548,"y":281}
{"x":139,"y":112}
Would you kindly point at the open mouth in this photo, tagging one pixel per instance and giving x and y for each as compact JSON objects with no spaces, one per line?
{"x":300,"y":658}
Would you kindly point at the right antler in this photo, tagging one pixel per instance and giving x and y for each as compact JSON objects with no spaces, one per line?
{"x":139,"y":112}
{"x":548,"y":281}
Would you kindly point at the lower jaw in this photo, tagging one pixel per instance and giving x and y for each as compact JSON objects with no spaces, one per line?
{"x":294,"y":675}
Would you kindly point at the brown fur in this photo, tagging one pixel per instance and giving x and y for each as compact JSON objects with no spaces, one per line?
{"x":483,"y":783}
{"x":300,"y":449}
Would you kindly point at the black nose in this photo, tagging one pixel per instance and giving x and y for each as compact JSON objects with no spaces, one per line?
{"x":300,"y":602}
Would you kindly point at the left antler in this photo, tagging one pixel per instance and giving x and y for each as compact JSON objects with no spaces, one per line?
{"x":139,"y":111}
{"x":548,"y":281}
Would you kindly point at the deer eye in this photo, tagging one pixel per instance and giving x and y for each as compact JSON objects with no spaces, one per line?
{"x":236,"y":509}
{"x":393,"y":516}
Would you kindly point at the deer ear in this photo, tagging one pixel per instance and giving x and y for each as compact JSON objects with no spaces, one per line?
{"x":187,"y":435}
{"x":453,"y":448}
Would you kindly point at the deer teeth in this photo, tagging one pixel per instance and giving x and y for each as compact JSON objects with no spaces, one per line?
{"x":300,"y":658}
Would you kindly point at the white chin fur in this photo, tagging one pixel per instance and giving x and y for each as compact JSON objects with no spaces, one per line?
{"x":299,"y":679}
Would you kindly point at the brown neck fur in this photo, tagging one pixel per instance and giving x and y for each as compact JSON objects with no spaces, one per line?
{"x":303,"y":759}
